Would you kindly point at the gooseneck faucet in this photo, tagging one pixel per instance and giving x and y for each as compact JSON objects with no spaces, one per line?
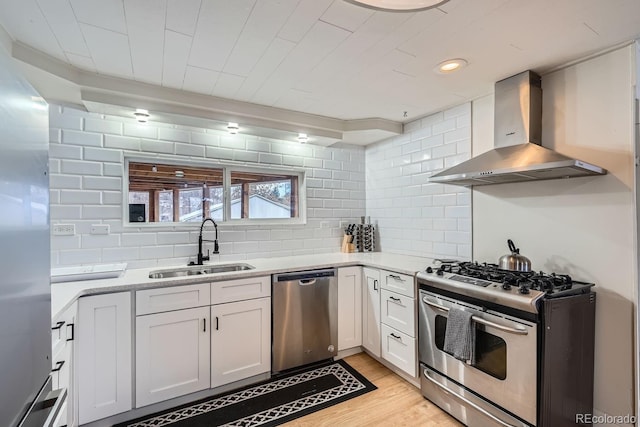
{"x":216,"y":249}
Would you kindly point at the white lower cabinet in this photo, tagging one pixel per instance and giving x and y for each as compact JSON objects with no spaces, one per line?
{"x":103,"y":350}
{"x":240,"y":340}
{"x":172,"y":354}
{"x":371,"y":310}
{"x":349,"y":307}
{"x":399,"y":349}
{"x":62,"y":363}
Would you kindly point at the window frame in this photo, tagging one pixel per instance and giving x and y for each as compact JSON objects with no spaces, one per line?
{"x":227,"y":167}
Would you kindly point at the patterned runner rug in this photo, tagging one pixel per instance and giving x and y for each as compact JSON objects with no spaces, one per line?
{"x":269,"y":403}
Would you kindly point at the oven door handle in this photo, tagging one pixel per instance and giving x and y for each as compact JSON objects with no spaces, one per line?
{"x":479,"y":319}
{"x":465,"y":400}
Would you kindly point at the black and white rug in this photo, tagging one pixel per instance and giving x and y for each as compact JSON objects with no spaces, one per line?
{"x":269,"y":403}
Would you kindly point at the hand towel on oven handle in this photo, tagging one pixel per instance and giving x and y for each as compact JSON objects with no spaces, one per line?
{"x":460,"y":335}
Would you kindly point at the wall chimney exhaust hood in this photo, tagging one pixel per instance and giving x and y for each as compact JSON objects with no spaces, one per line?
{"x":518,"y":155}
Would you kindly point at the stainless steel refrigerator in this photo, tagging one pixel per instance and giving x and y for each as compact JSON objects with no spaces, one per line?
{"x":25,"y":296}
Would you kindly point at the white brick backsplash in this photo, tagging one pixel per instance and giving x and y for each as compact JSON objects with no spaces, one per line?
{"x":65,"y":181}
{"x":101,"y":212}
{"x":412,"y":215}
{"x":64,"y":121}
{"x":80,"y":167}
{"x":112,"y":198}
{"x":455,"y":160}
{"x":205,"y":139}
{"x":112,"y":169}
{"x":81,"y":138}
{"x":189,"y":150}
{"x":219,"y":153}
{"x":122,"y":142}
{"x":101,"y":183}
{"x":59,"y":151}
{"x":83,"y":198}
{"x":63,"y":213}
{"x":54,"y":197}
{"x":175,"y":135}
{"x":102,"y":126}
{"x":141,"y":130}
{"x":55,"y":135}
{"x":102,"y":154}
{"x":156,"y":146}
{"x":70,"y":197}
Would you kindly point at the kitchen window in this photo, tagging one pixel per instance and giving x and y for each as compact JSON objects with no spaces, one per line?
{"x":169,"y":192}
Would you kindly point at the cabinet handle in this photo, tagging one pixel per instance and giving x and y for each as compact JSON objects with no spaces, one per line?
{"x":58,"y":326}
{"x":58,"y":366}
{"x":216,"y":323}
{"x":398,"y":337}
{"x":394,"y":299}
{"x":398,"y":278}
{"x":204,"y":328}
{"x":375,"y":284}
{"x":72,"y":326}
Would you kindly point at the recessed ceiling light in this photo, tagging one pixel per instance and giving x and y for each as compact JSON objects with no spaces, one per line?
{"x":399,"y":5}
{"x":179,"y":174}
{"x":450,"y":66}
{"x":303,"y":138}
{"x":233,"y":128}
{"x":141,"y":115}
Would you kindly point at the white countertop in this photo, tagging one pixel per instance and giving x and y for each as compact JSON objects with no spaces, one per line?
{"x":63,"y":294}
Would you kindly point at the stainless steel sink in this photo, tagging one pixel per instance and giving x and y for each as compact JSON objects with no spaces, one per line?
{"x":198,"y":270}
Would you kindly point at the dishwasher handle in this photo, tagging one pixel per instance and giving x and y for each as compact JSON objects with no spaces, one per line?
{"x":306,"y":282}
{"x":304,"y":276}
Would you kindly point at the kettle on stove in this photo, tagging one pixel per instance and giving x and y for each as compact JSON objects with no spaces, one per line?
{"x":514,"y":261}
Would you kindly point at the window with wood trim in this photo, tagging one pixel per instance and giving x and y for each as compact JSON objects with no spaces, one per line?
{"x":166,"y":193}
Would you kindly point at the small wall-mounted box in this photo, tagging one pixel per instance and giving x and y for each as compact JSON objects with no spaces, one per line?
{"x":99,"y":228}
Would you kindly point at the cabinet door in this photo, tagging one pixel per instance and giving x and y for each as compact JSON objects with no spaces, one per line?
{"x":398,"y":311}
{"x":240,"y":340}
{"x":349,"y":307}
{"x":371,"y":311}
{"x":63,"y":362}
{"x":399,"y":349}
{"x":104,"y":356}
{"x":172,"y":354}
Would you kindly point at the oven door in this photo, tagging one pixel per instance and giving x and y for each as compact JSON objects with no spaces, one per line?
{"x":505,"y":366}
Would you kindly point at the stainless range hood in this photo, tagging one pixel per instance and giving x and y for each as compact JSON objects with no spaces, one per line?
{"x":518,"y":155}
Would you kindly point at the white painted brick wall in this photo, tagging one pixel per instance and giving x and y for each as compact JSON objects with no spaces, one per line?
{"x":414,"y":216}
{"x":86,"y":156}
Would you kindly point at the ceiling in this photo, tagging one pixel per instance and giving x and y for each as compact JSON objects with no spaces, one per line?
{"x":309,"y":65}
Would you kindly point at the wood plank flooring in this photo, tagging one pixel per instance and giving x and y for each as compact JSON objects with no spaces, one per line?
{"x":394,"y":403}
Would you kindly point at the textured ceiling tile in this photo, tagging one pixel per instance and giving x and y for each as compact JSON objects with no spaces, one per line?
{"x":346,"y":15}
{"x":219,"y":26}
{"x":82,"y":62}
{"x":64,"y":25}
{"x":227,"y":85}
{"x":266,"y":19}
{"x":200,"y":80}
{"x":303,"y":18}
{"x":109,"y":50}
{"x":145,"y":24}
{"x":182,"y":16}
{"x":100,"y":13}
{"x":176,"y":52}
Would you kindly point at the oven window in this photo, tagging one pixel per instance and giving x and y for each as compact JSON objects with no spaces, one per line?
{"x":491,"y":350}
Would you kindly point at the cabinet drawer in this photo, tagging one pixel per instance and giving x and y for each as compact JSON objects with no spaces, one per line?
{"x":399,"y":349}
{"x":173,"y":298}
{"x":398,"y":312}
{"x":397,"y":282}
{"x":241,"y":289}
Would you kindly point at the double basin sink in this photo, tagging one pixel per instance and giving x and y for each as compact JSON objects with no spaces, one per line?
{"x":198,"y":270}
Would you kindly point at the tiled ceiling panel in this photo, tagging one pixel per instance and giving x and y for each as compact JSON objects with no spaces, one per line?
{"x":323,"y":57}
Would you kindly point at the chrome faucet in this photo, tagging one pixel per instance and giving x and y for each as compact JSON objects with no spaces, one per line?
{"x":216,"y":249}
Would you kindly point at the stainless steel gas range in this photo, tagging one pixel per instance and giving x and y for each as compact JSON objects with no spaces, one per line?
{"x":533,"y":342}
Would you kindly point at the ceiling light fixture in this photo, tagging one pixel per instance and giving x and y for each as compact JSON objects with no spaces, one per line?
{"x":399,"y":5}
{"x":141,"y":115}
{"x":303,"y":138}
{"x":233,"y":128}
{"x":450,"y":66}
{"x":154,"y":168}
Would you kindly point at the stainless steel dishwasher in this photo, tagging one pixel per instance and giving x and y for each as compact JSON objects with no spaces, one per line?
{"x":304,"y":318}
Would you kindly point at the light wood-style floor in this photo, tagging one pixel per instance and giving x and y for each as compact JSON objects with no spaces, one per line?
{"x":394,"y":403}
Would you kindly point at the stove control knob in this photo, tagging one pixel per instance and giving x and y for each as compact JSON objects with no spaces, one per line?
{"x":440,"y":273}
{"x":523,"y":290}
{"x":506,"y":286}
{"x":429,"y":270}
